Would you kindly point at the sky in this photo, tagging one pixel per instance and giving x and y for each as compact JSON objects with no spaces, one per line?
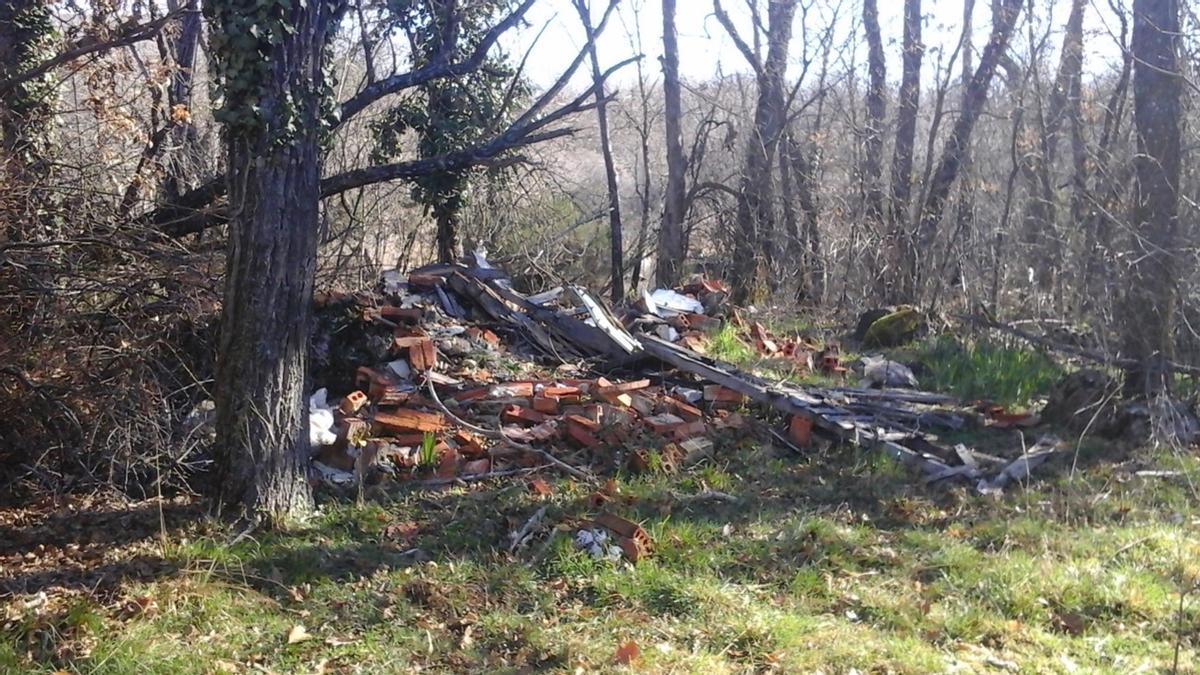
{"x":706,"y":50}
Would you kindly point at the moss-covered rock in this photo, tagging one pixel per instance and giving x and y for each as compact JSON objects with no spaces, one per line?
{"x":902,"y":325}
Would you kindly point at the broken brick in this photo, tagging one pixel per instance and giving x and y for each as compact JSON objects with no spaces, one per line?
{"x":447,"y":462}
{"x":634,"y":541}
{"x":471,"y":394}
{"x":621,"y":399}
{"x":408,"y":314}
{"x":584,"y":422}
{"x":468,"y":443}
{"x":688,"y":430}
{"x":623,"y":387}
{"x":540,"y":487}
{"x":582,"y":436}
{"x":353,"y":402}
{"x":423,"y":356}
{"x":513,"y":390}
{"x":800,"y":430}
{"x":722,"y":395}
{"x":685,"y":410}
{"x":476,"y":467}
{"x":516,"y":414}
{"x":663,"y":424}
{"x":545,"y":405}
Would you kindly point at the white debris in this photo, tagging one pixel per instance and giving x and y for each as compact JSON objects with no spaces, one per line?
{"x":665,"y":303}
{"x":880,"y":372}
{"x":598,"y":544}
{"x":401,"y":368}
{"x":332,"y":476}
{"x":394,"y":282}
{"x":320,"y":420}
{"x":667,"y":333}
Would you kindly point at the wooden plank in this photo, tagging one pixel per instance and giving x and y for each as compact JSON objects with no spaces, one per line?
{"x":787,"y":400}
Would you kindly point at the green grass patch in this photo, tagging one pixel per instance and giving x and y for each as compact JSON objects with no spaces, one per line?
{"x":830,"y":562}
{"x":981,"y":369}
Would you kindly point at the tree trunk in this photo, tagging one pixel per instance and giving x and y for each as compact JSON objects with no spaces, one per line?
{"x":262,"y":449}
{"x":180,"y":164}
{"x":964,"y":216}
{"x":1148,"y":308}
{"x":756,"y":194}
{"x":900,"y":240}
{"x":26,"y":29}
{"x":616,"y":236}
{"x":952,"y":153}
{"x":1040,"y":228}
{"x":876,"y":111}
{"x":808,"y":236}
{"x":1107,"y":186}
{"x":671,"y":251}
{"x":449,"y":248}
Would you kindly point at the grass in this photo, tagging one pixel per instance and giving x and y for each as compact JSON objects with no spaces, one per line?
{"x":838,"y":561}
{"x":980,"y":369}
{"x":831,"y":562}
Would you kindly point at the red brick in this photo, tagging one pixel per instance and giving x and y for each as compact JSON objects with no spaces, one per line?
{"x":582,"y":436}
{"x":663,"y":424}
{"x":584,"y":422}
{"x":718,"y":394}
{"x":685,"y":410}
{"x":545,"y":405}
{"x":468,"y":443}
{"x":410,"y":314}
{"x":800,"y":430}
{"x":624,"y":387}
{"x":353,"y":402}
{"x":516,"y":414}
{"x":689,"y":430}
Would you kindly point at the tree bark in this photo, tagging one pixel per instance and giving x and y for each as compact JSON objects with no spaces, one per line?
{"x":26,"y":29}
{"x":876,"y":112}
{"x":900,"y":238}
{"x":756,"y":193}
{"x":671,"y":251}
{"x":1148,"y":307}
{"x":616,"y":237}
{"x":262,"y":449}
{"x":449,"y":248}
{"x":179,"y":93}
{"x":952,"y":153}
{"x":1041,"y":232}
{"x":1107,"y":185}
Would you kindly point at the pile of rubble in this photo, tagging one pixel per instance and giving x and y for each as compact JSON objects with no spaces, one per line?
{"x":449,"y":374}
{"x":446,"y":398}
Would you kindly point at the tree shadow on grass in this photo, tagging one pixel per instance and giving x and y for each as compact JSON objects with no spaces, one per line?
{"x":79,"y":548}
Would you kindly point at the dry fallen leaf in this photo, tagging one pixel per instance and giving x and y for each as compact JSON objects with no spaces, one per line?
{"x":627,"y":653}
{"x":298,"y":633}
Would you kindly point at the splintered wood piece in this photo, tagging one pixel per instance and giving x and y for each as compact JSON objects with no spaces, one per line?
{"x":409,"y":421}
